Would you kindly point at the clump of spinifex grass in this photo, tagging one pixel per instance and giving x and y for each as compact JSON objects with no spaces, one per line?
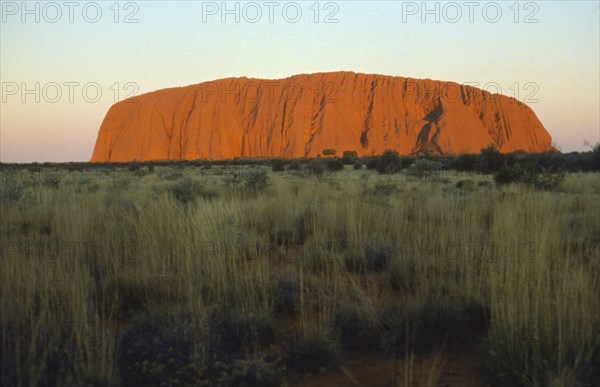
{"x":242,"y":272}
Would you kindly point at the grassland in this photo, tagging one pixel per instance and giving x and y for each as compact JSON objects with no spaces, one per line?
{"x":237,"y":276}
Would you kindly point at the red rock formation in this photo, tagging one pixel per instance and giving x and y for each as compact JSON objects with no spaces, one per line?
{"x":304,"y":114}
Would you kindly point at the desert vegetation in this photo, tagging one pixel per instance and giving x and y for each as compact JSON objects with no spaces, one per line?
{"x":283,"y":272}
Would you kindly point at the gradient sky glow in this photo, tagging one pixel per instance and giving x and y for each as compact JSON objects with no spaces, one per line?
{"x":171,"y":45}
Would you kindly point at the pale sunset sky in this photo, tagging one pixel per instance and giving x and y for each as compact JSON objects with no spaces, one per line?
{"x":63,"y":64}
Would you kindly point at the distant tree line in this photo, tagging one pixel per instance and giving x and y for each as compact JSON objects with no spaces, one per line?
{"x":487,"y":161}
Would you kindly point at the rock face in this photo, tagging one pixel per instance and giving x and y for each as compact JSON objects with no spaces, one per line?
{"x":305,"y":114}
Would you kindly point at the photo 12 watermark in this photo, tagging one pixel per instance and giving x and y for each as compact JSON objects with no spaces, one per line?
{"x":264,"y":91}
{"x":125,"y":12}
{"x":470,"y":11}
{"x":67,"y":91}
{"x":270,"y":11}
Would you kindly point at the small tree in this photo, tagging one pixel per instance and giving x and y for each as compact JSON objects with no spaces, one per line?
{"x":465,"y":162}
{"x":317,"y":167}
{"x":489,"y":160}
{"x":329,"y":152}
{"x":257,"y":180}
{"x":389,"y":162}
{"x":349,"y":157}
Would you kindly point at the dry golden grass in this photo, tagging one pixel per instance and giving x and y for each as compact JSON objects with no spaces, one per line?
{"x":82,"y":260}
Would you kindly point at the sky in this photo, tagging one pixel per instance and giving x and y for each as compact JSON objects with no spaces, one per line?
{"x":64,"y":63}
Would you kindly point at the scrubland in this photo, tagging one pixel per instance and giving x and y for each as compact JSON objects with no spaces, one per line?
{"x":243,"y":276}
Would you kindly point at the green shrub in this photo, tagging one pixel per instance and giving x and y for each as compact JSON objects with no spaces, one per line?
{"x":188,"y":190}
{"x":169,"y":174}
{"x":424,"y":167}
{"x":382,"y":189}
{"x":357,"y":165}
{"x":11,"y":189}
{"x":389,"y":162}
{"x":257,"y":180}
{"x":549,"y":181}
{"x":532,"y":174}
{"x":52,"y":180}
{"x":329,"y":152}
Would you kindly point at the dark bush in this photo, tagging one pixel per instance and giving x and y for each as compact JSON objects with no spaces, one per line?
{"x":286,"y":295}
{"x":317,"y":167}
{"x":357,"y":165}
{"x":377,"y":255}
{"x":389,"y":162}
{"x":334,"y":165}
{"x":187,"y":190}
{"x":489,"y":160}
{"x":329,"y":152}
{"x":549,"y":161}
{"x":349,"y":157}
{"x":278,"y":165}
{"x":374,"y":257}
{"x":433,"y":322}
{"x":424,"y":167}
{"x":295,"y":166}
{"x":465,"y":162}
{"x":371,"y":163}
{"x":407,"y":161}
{"x":356,"y":331}
{"x":134,"y":166}
{"x":230,"y":334}
{"x":313,"y":350}
{"x":157,"y":349}
{"x":531,"y":173}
